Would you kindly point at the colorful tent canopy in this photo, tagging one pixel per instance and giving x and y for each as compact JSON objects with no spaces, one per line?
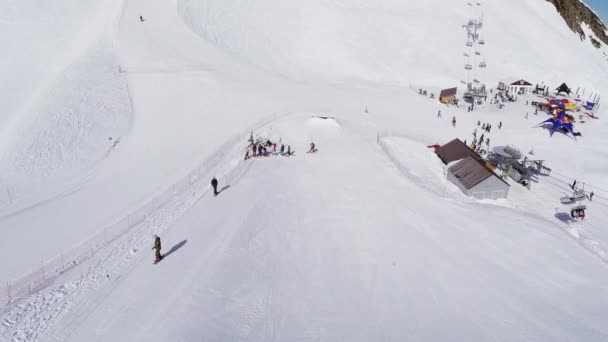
{"x":560,"y":120}
{"x":563,"y":89}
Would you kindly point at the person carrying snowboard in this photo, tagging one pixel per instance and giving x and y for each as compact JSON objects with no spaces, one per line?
{"x":157,"y":248}
{"x":214,"y":185}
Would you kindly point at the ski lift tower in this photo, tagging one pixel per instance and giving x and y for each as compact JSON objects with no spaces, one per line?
{"x":475,"y":59}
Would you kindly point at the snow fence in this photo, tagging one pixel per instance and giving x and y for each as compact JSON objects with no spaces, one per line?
{"x":52,"y":268}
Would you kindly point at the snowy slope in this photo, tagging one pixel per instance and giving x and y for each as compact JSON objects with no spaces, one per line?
{"x":335,"y":246}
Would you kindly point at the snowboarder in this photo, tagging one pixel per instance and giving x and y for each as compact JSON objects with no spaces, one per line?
{"x":141,"y":18}
{"x":312,"y":148}
{"x":214,"y":185}
{"x":453,"y":121}
{"x":157,"y":248}
{"x":591,"y":196}
{"x":500,"y":125}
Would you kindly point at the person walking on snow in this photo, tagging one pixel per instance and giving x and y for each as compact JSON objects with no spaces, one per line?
{"x":312,"y":148}
{"x":157,"y":248}
{"x":214,"y":185}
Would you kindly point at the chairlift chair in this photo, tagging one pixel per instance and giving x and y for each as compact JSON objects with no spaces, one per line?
{"x":469,"y":44}
{"x":482,"y":64}
{"x":468,"y":67}
{"x":481,"y":42}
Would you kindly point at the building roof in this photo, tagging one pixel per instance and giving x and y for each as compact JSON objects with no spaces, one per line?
{"x":521,"y":83}
{"x":448,"y":92}
{"x":471,"y":172}
{"x":455,"y":150}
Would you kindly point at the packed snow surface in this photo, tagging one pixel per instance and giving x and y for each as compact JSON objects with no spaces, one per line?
{"x":364,"y":240}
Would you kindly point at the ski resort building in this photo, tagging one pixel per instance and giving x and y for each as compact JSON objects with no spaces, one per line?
{"x":470,"y":173}
{"x":455,"y":150}
{"x":521,"y":87}
{"x":476,"y":180}
{"x":448,"y":96}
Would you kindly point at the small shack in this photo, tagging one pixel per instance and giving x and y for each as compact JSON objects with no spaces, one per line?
{"x":448,"y":96}
{"x":455,"y":150}
{"x":470,"y":172}
{"x":476,"y":180}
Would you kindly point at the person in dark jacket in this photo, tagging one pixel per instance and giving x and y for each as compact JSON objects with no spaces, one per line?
{"x":157,"y":248}
{"x":214,"y":185}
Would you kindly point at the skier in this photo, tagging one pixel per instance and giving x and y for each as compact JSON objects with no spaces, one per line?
{"x":214,"y":185}
{"x":453,"y":121}
{"x":488,"y":141}
{"x":141,"y":18}
{"x":274,"y":148}
{"x":483,"y":126}
{"x":289,"y":153}
{"x":573,"y":186}
{"x":255,"y":148}
{"x":247,"y":156}
{"x":157,"y":248}
{"x":591,"y":196}
{"x":312,"y":148}
{"x":500,"y":125}
{"x":439,"y":114}
{"x":282,"y":149}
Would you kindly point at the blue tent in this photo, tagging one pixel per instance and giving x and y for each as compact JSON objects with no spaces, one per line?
{"x":560,"y":121}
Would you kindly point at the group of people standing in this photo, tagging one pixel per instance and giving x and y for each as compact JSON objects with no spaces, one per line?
{"x":267,"y":149}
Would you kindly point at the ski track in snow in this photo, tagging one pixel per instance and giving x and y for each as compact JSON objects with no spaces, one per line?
{"x":29,"y":319}
{"x":62,"y":140}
